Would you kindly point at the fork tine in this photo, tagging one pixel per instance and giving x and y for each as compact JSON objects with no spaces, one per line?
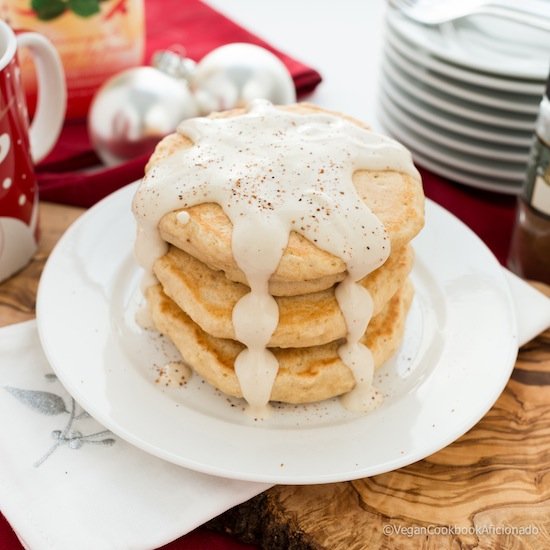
{"x":402,"y":5}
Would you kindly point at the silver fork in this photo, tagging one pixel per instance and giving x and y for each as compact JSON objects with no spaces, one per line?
{"x":534,"y":13}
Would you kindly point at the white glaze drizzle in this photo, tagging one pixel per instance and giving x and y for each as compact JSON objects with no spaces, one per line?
{"x":356,"y":305}
{"x":273,"y":172}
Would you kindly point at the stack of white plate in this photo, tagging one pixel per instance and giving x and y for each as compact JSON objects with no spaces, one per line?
{"x":464,"y":96}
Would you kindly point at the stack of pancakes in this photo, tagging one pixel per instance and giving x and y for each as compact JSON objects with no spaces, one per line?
{"x":200,"y":283}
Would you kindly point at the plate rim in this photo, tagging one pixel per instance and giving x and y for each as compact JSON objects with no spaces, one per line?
{"x":428,"y":61}
{"x":444,"y":86}
{"x":448,"y":105}
{"x":409,"y":136}
{"x":411,"y":122}
{"x":397,"y":462}
{"x":396,"y":19}
{"x":466,"y":130}
{"x":455,"y":174}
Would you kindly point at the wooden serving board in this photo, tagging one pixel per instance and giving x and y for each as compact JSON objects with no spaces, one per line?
{"x":495,"y":478}
{"x":490,"y":489}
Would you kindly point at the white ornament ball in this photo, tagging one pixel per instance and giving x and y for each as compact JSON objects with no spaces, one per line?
{"x":133,"y":110}
{"x":235,"y":74}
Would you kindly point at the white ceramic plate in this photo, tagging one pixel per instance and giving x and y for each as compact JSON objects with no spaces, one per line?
{"x":510,"y":103}
{"x":445,"y":162}
{"x":459,"y":348}
{"x":456,"y":106}
{"x":459,"y":74}
{"x":507,"y":172}
{"x":447,"y":121}
{"x":485,"y":44}
{"x":463,"y":178}
{"x":455,"y":141}
{"x":424,"y":157}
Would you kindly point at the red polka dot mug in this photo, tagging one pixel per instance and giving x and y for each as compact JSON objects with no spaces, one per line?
{"x":22,"y":145}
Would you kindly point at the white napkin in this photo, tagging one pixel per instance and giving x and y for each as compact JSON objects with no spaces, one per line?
{"x":532,"y":308}
{"x":67,"y":486}
{"x":73,"y":485}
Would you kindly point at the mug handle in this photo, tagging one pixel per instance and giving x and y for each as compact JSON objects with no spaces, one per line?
{"x":52,"y":94}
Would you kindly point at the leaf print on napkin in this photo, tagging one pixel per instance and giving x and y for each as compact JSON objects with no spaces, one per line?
{"x":43,"y":401}
{"x":52,"y":404}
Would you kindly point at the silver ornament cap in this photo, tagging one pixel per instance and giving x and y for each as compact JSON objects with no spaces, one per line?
{"x":133,"y":110}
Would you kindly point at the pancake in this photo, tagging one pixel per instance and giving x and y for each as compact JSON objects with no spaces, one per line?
{"x":273,"y":169}
{"x":305,"y":374}
{"x":208,"y":297}
{"x":395,"y":198}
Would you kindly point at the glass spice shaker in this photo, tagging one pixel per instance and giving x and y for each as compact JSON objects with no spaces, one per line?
{"x":530,"y":248}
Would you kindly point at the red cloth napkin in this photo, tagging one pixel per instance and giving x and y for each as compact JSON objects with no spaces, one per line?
{"x":198,"y":539}
{"x":71,"y":174}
